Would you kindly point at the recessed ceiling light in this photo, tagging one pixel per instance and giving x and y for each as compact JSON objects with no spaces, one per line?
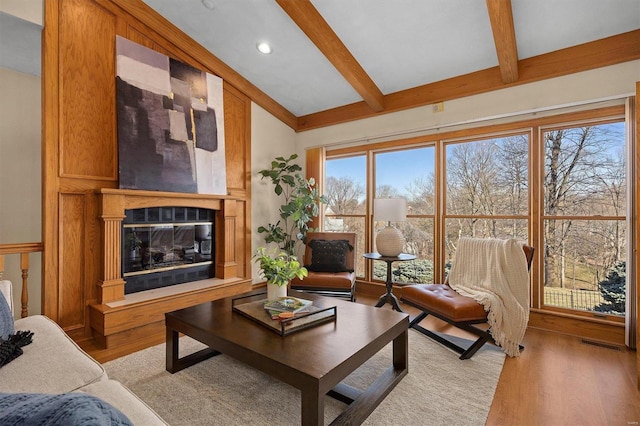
{"x":208,"y":4}
{"x":263,"y":47}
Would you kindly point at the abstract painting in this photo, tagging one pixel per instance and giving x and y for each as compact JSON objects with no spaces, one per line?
{"x":170,"y":123}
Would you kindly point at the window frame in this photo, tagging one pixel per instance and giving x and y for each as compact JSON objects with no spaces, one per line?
{"x":531,"y":126}
{"x":542,"y":216}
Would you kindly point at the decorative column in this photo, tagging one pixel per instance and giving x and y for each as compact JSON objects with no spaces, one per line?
{"x":226,"y":259}
{"x":112,"y":213}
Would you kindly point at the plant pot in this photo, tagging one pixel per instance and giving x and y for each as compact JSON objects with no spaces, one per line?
{"x":274,"y":292}
{"x":134,"y":253}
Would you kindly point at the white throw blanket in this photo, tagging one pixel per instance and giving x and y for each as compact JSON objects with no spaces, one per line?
{"x":495,"y":274}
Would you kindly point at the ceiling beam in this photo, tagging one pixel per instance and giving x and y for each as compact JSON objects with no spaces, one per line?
{"x":600,"y":53}
{"x":307,"y":17}
{"x":612,"y":50}
{"x":504,"y":37}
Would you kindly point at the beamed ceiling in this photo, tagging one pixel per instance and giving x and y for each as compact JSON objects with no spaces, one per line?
{"x":340,"y":60}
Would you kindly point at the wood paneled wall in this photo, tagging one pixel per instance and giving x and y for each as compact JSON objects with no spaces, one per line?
{"x":80,"y":148}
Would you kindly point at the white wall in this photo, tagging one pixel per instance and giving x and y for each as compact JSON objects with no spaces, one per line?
{"x":20,"y":171}
{"x":270,"y":138}
{"x":613,"y":81}
{"x":20,"y":176}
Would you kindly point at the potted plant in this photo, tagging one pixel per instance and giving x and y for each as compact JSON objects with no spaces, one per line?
{"x":301,"y":204}
{"x":278,"y":269}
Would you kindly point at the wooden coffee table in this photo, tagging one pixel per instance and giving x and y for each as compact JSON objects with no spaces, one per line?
{"x":315,"y":360}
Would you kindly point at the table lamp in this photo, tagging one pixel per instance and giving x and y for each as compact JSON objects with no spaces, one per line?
{"x":389,"y":241}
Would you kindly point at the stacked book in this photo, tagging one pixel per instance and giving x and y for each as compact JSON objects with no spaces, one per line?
{"x":286,"y":307}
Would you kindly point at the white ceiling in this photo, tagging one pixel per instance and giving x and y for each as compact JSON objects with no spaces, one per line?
{"x":400,"y":43}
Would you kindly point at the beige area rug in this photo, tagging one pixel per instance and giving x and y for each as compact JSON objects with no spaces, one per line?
{"x":440,"y":389}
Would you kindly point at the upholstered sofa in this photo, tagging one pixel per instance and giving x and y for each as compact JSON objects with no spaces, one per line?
{"x":55,"y":364}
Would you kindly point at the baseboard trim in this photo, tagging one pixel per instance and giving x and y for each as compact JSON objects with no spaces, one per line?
{"x":598,"y":331}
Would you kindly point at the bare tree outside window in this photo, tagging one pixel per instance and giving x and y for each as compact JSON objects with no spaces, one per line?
{"x":346,"y":203}
{"x":584,"y":208}
{"x":410,"y":174}
{"x":343,"y":195}
{"x":487,"y":190}
{"x":487,"y":187}
{"x":421,"y":195}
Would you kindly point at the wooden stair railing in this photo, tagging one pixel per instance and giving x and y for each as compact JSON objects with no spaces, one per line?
{"x":24,"y":250}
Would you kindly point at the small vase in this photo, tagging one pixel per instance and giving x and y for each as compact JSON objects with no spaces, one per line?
{"x":274,"y":292}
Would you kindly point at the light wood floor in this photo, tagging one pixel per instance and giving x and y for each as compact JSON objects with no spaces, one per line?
{"x":559,"y":380}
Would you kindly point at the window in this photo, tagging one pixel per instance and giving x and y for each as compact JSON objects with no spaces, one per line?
{"x":584,"y":218}
{"x":487,"y":190}
{"x":559,"y":186}
{"x":409,"y":174}
{"x":346,"y":200}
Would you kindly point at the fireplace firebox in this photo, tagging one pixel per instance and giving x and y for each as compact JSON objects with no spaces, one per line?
{"x":164,"y":246}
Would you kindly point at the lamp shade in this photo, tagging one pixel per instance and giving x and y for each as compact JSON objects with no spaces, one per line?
{"x":390,"y":209}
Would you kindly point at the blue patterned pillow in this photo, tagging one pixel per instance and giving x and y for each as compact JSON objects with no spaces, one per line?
{"x":6,"y":318}
{"x":69,"y":409}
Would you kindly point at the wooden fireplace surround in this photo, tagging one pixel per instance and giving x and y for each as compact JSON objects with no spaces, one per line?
{"x":117,"y":317}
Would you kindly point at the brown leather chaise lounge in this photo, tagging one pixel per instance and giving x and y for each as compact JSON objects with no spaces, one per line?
{"x":441,"y":301}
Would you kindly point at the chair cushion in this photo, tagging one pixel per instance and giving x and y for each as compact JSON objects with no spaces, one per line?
{"x":325,"y":281}
{"x":442,"y":300}
{"x":329,"y":255}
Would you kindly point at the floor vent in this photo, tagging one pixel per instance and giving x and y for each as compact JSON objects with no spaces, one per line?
{"x":602,"y":345}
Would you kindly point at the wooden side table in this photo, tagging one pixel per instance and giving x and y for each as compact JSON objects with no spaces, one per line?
{"x":389,"y":297}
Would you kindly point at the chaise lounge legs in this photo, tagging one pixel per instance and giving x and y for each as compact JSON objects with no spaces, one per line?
{"x":465,"y":353}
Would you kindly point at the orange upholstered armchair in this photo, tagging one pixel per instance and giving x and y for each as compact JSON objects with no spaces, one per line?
{"x":330,"y":259}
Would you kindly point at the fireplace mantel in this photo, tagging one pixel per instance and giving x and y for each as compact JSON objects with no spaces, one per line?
{"x":114,"y":202}
{"x":137,"y":320}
